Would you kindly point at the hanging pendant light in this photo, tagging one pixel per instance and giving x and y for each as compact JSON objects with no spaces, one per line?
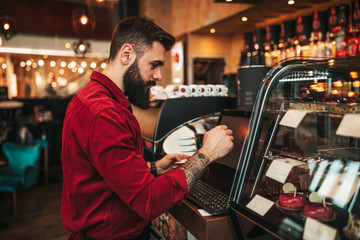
{"x":7,"y":27}
{"x":83,"y":22}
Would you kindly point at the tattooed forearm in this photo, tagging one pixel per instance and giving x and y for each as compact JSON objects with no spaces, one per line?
{"x":193,"y":167}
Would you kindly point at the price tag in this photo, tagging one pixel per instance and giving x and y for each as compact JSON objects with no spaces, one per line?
{"x":279,"y":169}
{"x":288,"y":188}
{"x":349,"y":126}
{"x":260,"y":205}
{"x":292,"y":118}
{"x":315,"y":230}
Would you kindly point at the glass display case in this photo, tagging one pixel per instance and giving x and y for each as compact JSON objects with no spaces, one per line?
{"x":300,"y":164}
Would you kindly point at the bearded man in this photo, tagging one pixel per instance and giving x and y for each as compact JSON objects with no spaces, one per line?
{"x":109,"y":191}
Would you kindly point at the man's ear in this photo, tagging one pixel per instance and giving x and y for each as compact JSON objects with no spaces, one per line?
{"x":127,"y":54}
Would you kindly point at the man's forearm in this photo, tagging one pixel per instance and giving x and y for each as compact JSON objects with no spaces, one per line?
{"x":193,"y":167}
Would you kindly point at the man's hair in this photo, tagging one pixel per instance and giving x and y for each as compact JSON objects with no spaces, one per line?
{"x":141,"y":33}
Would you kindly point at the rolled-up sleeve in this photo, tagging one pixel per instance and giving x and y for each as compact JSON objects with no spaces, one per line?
{"x":114,"y":149}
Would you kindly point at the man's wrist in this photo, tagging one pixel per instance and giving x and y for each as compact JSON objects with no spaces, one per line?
{"x":207,"y":153}
{"x":153,"y":169}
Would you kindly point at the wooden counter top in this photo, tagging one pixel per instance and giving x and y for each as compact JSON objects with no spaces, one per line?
{"x":211,"y":227}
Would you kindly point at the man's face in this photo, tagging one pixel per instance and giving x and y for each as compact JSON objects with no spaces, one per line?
{"x":137,"y":89}
{"x":142,"y":75}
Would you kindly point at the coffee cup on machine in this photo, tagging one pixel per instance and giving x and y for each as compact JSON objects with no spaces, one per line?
{"x":221,"y":90}
{"x":184,"y":91}
{"x":210,"y":90}
{"x":194,"y":90}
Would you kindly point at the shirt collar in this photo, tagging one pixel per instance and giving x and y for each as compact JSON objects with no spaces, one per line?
{"x":112,"y":88}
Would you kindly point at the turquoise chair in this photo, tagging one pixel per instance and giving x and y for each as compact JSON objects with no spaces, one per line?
{"x":22,"y":169}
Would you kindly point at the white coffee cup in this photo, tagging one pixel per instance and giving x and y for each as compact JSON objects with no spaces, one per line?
{"x":210,"y":90}
{"x":184,"y":91}
{"x":194,"y":90}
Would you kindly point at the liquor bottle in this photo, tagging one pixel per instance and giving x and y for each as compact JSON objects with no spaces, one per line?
{"x":313,"y":51}
{"x":268,"y":55}
{"x":356,"y":21}
{"x":247,"y":52}
{"x":320,"y":46}
{"x":329,"y":49}
{"x":255,"y":58}
{"x":275,"y":54}
{"x":242,"y":62}
{"x":245,"y":58}
{"x":248,"y":56}
{"x":354,"y":38}
{"x":341,"y":33}
{"x":318,"y":28}
{"x":282,"y":43}
{"x":290,"y":51}
{"x":303,"y":26}
{"x":298,"y":40}
{"x":353,"y":41}
{"x":298,"y":48}
{"x":333,"y":21}
{"x":268,"y":48}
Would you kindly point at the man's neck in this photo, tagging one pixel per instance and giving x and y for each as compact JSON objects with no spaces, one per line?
{"x":115,"y":75}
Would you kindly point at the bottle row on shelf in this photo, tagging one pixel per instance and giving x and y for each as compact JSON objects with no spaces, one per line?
{"x":331,"y":33}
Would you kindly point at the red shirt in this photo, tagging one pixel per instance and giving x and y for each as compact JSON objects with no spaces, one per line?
{"x":108,"y":190}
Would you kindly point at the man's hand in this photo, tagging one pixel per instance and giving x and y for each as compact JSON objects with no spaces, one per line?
{"x":217,"y":142}
{"x":168,"y":162}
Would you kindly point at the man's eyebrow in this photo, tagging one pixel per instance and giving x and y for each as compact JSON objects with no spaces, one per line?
{"x":157,"y":63}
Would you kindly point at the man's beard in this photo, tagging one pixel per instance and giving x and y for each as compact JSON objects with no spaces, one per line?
{"x":137,"y":88}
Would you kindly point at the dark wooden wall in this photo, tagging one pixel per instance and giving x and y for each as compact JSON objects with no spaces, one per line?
{"x":53,"y":17}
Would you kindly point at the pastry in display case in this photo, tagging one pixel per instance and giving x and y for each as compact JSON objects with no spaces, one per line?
{"x":300,"y":171}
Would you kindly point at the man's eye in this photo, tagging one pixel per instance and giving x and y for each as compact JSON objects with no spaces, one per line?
{"x":153,"y":66}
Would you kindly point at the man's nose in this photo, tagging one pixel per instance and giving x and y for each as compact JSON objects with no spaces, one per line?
{"x":157,"y":74}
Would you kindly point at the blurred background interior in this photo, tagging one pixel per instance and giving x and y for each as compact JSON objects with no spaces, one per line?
{"x":48,"y":49}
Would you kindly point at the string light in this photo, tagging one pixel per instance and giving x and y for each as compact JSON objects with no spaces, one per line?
{"x":7,"y":29}
{"x":93,"y":65}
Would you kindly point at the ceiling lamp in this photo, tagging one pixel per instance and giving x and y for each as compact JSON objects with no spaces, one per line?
{"x":83,"y":22}
{"x":81,"y":47}
{"x":7,"y":27}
